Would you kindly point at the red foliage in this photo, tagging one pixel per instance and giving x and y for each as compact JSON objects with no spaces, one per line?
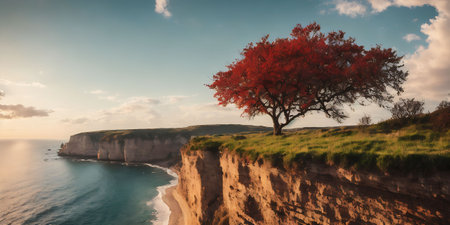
{"x":309,"y":71}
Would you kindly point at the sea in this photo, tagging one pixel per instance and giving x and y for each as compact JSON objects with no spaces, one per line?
{"x":39,"y":187}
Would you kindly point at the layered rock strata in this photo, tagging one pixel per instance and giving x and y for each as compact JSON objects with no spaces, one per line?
{"x":225,"y":188}
{"x":160,"y":146}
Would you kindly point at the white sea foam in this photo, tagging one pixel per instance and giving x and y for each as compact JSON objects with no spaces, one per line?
{"x":162,"y":209}
{"x":86,"y":160}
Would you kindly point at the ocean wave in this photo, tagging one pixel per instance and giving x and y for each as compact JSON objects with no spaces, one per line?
{"x":162,"y":209}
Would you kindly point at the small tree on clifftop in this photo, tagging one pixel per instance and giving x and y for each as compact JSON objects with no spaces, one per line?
{"x":365,"y":120}
{"x":407,"y":108}
{"x":444,"y":104}
{"x":309,"y":71}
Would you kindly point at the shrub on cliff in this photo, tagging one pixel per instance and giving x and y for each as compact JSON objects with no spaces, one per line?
{"x":365,"y":120}
{"x":407,"y":108}
{"x":442,"y":105}
{"x":438,"y":120}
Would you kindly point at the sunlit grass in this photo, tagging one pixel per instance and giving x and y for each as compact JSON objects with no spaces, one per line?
{"x":411,"y":148}
{"x":169,"y":133}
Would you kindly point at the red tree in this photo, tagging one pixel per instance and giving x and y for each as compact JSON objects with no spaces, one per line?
{"x":309,"y":71}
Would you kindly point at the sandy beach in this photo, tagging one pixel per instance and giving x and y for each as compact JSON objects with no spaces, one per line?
{"x":171,"y":199}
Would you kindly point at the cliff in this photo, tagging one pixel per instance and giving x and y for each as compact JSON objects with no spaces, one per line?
{"x":221,"y":187}
{"x":143,"y":145}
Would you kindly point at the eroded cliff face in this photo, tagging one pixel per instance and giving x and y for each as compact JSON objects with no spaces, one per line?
{"x":200,"y":183}
{"x":80,"y":145}
{"x":155,"y":149}
{"x":224,"y":188}
{"x":160,"y":146}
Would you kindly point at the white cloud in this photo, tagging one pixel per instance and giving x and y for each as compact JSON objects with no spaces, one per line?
{"x":80,"y":120}
{"x":428,"y":66}
{"x":2,"y":94}
{"x":136,"y":111}
{"x":134,"y":104}
{"x":210,"y":113}
{"x":161,"y":8}
{"x":97,"y":92}
{"x":411,"y":37}
{"x":209,"y":107}
{"x":102,"y":95}
{"x":172,"y":99}
{"x":111,"y":98}
{"x":379,"y":5}
{"x":22,"y":84}
{"x":350,"y":8}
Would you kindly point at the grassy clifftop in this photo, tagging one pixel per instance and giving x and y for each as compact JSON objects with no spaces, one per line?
{"x":107,"y":135}
{"x":421,"y":144}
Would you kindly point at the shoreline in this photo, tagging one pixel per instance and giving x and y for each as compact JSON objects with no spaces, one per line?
{"x":168,"y":203}
{"x":173,"y":212}
{"x":176,"y":212}
{"x":164,"y":208}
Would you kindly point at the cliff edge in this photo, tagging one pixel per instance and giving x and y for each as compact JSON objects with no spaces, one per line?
{"x":160,"y":146}
{"x":394,"y":172}
{"x":225,"y":188}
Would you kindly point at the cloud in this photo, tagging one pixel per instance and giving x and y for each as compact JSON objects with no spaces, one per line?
{"x":213,"y":106}
{"x":379,"y":5}
{"x":411,"y":37}
{"x":102,"y":95}
{"x":97,"y":92}
{"x":161,"y":8}
{"x":428,"y":66}
{"x":210,"y":110}
{"x":20,"y":111}
{"x":109,"y":98}
{"x":80,"y":120}
{"x":172,"y":99}
{"x":21,"y":84}
{"x":134,"y":112}
{"x":350,"y":8}
{"x":140,"y":111}
{"x":208,"y":113}
{"x":134,"y":104}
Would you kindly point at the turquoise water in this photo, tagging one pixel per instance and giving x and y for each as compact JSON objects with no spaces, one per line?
{"x":38,"y":187}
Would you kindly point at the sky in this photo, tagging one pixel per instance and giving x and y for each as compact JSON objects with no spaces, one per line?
{"x":73,"y":66}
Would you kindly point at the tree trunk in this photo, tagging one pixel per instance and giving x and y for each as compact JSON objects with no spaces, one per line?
{"x":276,"y":128}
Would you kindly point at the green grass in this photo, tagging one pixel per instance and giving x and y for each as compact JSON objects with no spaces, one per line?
{"x":165,"y":133}
{"x":410,"y":148}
